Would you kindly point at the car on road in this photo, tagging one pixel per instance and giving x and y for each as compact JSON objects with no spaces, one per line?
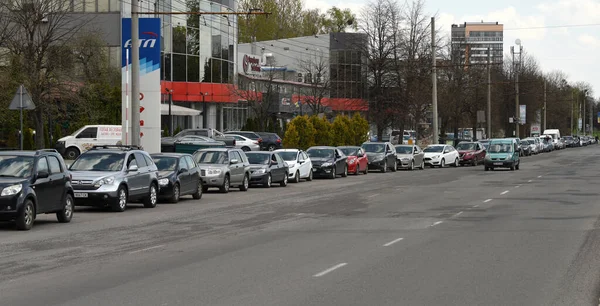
{"x":267,"y":168}
{"x":178,"y":175}
{"x":409,"y":157}
{"x":503,"y":153}
{"x":248,"y":134}
{"x":270,"y":141}
{"x":299,"y":164}
{"x":223,"y":168}
{"x":328,"y":161}
{"x":167,"y":144}
{"x":86,"y":137}
{"x":244,"y":143}
{"x":33,"y":183}
{"x":441,"y":155}
{"x":530,"y":145}
{"x":470,"y":153}
{"x":525,"y":148}
{"x":381,"y":155}
{"x":113,"y":176}
{"x":357,"y":159}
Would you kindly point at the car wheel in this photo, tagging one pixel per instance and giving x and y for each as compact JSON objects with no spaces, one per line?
{"x":474,"y":162}
{"x":72,"y":153}
{"x":456,"y":163}
{"x":245,"y":183}
{"x":345,"y":173}
{"x":176,"y":194}
{"x":333,"y":173}
{"x":269,"y":181}
{"x":385,"y":167}
{"x":225,"y":187}
{"x":512,"y":167}
{"x":204,"y":188}
{"x":443,"y":163}
{"x":296,"y":177}
{"x":271,"y":148}
{"x":518,"y":165}
{"x":310,"y":176}
{"x":487,"y":168}
{"x":199,"y":191}
{"x":285,"y":181}
{"x":412,"y":166}
{"x":395,"y":167}
{"x":120,"y":203}
{"x":366,"y":170}
{"x":25,"y":218}
{"x":66,"y":214}
{"x":245,"y":149}
{"x":357,"y":172}
{"x":150,"y":201}
{"x":422,"y":165}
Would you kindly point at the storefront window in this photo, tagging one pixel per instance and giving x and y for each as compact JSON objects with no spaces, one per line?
{"x":179,"y":68}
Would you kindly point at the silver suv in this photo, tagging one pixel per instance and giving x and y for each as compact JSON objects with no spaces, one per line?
{"x":223,"y":168}
{"x":114,"y":175}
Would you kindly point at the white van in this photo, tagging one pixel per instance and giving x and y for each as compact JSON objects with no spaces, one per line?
{"x":86,"y":137}
{"x":555,"y":134}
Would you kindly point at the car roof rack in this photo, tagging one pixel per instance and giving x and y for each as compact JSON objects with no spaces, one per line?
{"x":120,"y":147}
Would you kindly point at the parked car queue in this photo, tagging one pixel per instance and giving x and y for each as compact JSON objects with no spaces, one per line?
{"x":39,"y":182}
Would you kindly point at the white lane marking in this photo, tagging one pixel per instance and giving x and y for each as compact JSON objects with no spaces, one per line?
{"x":147,"y":249}
{"x":373,"y":195}
{"x":457,"y":214}
{"x":488,"y":200}
{"x":529,"y":181}
{"x":475,"y":206}
{"x":517,"y":186}
{"x":436,"y":223}
{"x":504,"y":192}
{"x":393,"y":241}
{"x":330,"y":269}
{"x":539,"y":176}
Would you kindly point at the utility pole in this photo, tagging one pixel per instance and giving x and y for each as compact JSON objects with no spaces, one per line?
{"x":545,"y":122}
{"x":135,"y":74}
{"x":572,"y":103}
{"x":434,"y":82}
{"x":170,"y":93}
{"x":584,"y":106}
{"x":517,"y":66}
{"x":489,"y":95}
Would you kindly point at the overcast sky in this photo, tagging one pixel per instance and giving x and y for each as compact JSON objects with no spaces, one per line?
{"x":574,"y":50}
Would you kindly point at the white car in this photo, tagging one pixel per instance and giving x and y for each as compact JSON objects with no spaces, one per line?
{"x":440,"y":155}
{"x":299,"y":164}
{"x":244,"y":143}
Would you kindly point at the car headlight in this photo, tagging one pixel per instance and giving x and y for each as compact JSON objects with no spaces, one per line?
{"x":104,"y":181}
{"x":435,"y":157}
{"x":163,"y":181}
{"x":487,"y":157}
{"x":324,"y":165}
{"x":11,"y":190}
{"x":352,"y":161}
{"x":213,"y":172}
{"x":260,"y":171}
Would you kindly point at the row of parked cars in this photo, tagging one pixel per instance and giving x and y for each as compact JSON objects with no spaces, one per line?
{"x":113,"y":176}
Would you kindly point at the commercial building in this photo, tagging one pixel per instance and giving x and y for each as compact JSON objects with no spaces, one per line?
{"x":470,"y":42}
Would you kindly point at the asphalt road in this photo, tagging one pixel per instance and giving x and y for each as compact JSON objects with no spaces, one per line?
{"x":456,"y":236}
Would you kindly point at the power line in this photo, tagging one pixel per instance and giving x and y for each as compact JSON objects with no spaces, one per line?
{"x":556,"y":26}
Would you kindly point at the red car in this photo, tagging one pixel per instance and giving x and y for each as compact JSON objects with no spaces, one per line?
{"x":357,"y":159}
{"x":470,"y":153}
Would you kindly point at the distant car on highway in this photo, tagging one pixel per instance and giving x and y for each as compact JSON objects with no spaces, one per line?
{"x":244,"y":143}
{"x":223,"y":168}
{"x":178,"y":175}
{"x":299,"y":164}
{"x":267,"y":168}
{"x":470,"y":153}
{"x":409,"y":157}
{"x":328,"y":161}
{"x":441,"y":155}
{"x":381,"y":155}
{"x":358,"y":162}
{"x":503,"y":153}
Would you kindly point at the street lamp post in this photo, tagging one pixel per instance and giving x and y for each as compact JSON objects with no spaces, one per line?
{"x":204,"y":115}
{"x":517,"y":66}
{"x":170,"y":93}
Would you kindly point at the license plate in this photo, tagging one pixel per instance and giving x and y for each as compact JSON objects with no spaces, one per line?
{"x":497,"y":164}
{"x":81,"y":195}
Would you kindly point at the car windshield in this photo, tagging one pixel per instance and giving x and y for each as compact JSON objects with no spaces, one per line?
{"x":211,"y":157}
{"x":288,"y":155}
{"x":349,"y":151}
{"x":99,"y":162}
{"x":404,"y":149}
{"x":165,"y":163}
{"x":434,"y":149}
{"x":320,"y":153}
{"x":466,"y":146}
{"x":258,"y":158}
{"x":500,"y":148}
{"x":15,"y":166}
{"x":374,"y":147}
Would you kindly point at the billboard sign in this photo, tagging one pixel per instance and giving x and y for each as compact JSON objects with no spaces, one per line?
{"x":250,"y":63}
{"x":522,"y":113}
{"x":535,"y":129}
{"x":149,"y":46}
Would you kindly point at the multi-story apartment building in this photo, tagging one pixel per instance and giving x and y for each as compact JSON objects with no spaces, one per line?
{"x":470,"y":42}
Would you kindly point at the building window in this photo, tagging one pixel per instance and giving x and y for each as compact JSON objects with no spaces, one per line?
{"x":90,"y":6}
{"x":103,"y":6}
{"x":78,"y":5}
{"x":115,"y":5}
{"x":179,"y":68}
{"x":193,"y":68}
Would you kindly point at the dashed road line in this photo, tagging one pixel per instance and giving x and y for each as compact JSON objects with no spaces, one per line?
{"x":373,"y":195}
{"x":147,"y":249}
{"x":504,"y":192}
{"x":330,"y":269}
{"x":436,"y":223}
{"x":517,"y":186}
{"x":475,"y":206}
{"x":488,"y":200}
{"x":539,"y":176}
{"x":457,"y":214}
{"x":529,"y":181}
{"x":393,"y":241}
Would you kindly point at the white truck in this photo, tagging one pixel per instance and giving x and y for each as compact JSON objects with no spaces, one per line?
{"x":86,"y":137}
{"x":555,"y":134}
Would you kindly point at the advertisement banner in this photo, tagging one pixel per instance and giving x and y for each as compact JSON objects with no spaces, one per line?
{"x":149,"y":46}
{"x":522,"y":113}
{"x":598,"y":117}
{"x":249,"y":64}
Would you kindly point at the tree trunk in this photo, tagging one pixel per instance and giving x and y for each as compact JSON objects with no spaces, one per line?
{"x":39,"y":127}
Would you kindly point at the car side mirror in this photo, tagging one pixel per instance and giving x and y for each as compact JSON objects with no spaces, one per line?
{"x":43,"y":174}
{"x":133,"y":168}
{"x":273,"y":163}
{"x":302,"y":161}
{"x":183,"y":170}
{"x":361,"y":155}
{"x":234,"y":161}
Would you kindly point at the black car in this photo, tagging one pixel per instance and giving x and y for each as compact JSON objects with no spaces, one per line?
{"x":178,"y":175}
{"x":382,"y":156}
{"x":32,"y":183}
{"x":267,"y":168}
{"x":328,"y":161}
{"x":270,"y":141}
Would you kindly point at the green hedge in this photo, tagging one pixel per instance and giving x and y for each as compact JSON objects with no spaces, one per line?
{"x":303,"y":132}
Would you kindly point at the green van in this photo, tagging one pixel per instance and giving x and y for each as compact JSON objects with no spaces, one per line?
{"x":502,"y":153}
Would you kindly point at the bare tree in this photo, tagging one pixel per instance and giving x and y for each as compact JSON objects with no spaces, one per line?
{"x":40,"y":31}
{"x":261,"y":94}
{"x":315,"y":68}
